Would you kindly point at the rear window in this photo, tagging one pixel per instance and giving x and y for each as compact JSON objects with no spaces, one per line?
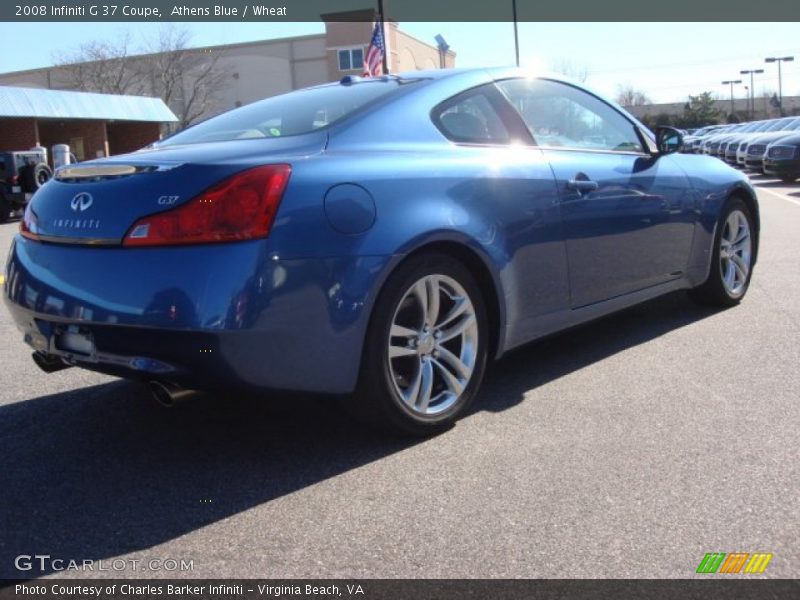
{"x":295,"y":113}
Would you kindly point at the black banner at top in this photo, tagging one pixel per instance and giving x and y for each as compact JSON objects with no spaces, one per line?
{"x":400,"y":10}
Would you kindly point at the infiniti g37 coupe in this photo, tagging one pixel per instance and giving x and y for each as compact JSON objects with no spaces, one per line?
{"x":378,"y":239}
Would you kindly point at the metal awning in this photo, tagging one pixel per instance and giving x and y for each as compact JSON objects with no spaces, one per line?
{"x":59,"y":104}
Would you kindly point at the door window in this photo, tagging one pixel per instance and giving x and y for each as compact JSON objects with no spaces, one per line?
{"x":562,"y":116}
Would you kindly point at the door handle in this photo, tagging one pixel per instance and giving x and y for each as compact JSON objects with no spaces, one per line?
{"x":582,"y":185}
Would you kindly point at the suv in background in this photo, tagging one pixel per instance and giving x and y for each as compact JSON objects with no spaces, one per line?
{"x":21,"y":174}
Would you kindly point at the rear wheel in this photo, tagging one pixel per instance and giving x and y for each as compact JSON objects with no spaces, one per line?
{"x":426,"y":348}
{"x":732,"y":259}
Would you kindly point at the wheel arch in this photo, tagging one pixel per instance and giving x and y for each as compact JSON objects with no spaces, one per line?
{"x":479,"y":267}
{"x":747,"y":195}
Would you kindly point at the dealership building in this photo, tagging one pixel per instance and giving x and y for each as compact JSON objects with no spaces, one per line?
{"x":256,"y":70}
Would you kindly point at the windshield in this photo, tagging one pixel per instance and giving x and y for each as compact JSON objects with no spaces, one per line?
{"x":295,"y":113}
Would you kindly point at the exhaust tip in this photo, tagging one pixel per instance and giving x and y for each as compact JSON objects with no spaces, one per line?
{"x":169,"y":394}
{"x":161,"y":394}
{"x":49,"y":363}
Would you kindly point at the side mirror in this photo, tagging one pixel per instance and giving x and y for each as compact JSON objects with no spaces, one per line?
{"x":668,"y":139}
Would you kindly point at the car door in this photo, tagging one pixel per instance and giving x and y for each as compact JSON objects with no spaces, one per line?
{"x":506,"y":187}
{"x":627,"y":215}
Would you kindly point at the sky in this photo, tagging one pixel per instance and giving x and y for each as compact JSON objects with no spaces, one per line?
{"x":667,"y":61}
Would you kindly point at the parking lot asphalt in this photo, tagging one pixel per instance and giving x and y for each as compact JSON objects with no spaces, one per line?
{"x":626,"y":448}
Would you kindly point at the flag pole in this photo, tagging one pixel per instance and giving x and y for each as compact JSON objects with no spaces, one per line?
{"x":381,"y":13}
{"x":516,"y":34}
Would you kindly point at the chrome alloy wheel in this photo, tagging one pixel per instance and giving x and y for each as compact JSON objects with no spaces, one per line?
{"x":735,"y":253}
{"x":433,"y":345}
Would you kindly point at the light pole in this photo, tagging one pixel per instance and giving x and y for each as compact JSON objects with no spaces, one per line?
{"x":779,"y":60}
{"x":752,"y":91}
{"x":731,"y":82}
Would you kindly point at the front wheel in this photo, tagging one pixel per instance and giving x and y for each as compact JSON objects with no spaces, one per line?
{"x":732,"y":259}
{"x":426,"y":348}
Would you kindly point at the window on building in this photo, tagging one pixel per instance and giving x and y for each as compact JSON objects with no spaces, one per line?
{"x":351,"y":58}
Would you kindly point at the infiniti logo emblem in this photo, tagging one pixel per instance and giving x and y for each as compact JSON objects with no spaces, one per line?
{"x":81,"y":202}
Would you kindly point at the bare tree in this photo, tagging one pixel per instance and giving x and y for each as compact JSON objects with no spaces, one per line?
{"x":102,"y":66}
{"x":186,"y":79}
{"x":566,"y":67}
{"x":629,"y":96}
{"x":164,"y":66}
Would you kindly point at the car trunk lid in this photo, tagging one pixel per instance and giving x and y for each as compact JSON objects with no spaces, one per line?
{"x":98,"y":201}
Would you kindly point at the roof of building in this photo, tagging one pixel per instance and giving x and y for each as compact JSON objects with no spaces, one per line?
{"x":58,"y":104}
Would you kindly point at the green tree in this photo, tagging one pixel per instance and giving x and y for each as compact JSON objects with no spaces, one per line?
{"x":662,"y":118}
{"x":700,"y":111}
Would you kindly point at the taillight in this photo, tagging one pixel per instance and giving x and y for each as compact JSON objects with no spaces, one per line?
{"x":14,"y":180}
{"x":28,"y":224}
{"x":241,"y":207}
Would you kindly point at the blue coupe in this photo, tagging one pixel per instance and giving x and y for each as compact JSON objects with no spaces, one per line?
{"x":377,"y":239}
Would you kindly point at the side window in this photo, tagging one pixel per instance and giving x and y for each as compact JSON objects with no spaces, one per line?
{"x":471,"y":118}
{"x":559,"y":115}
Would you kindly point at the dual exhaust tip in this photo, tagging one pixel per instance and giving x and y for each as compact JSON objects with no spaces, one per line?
{"x":166,"y":394}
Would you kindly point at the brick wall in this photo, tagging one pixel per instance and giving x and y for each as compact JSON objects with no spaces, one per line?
{"x":129,"y":136}
{"x":91,"y":133}
{"x":17,"y":134}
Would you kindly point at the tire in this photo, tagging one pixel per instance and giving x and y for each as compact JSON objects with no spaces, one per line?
{"x":5,"y":209}
{"x":730,"y":273}
{"x":391,"y":393}
{"x":41,"y":174}
{"x":32,"y":177}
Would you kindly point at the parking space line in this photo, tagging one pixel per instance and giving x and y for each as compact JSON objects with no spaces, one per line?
{"x":787,"y":198}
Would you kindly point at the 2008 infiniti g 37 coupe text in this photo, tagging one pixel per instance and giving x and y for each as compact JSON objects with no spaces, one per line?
{"x":381,"y":238}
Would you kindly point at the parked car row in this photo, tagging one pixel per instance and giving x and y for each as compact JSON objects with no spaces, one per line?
{"x":771,"y":146}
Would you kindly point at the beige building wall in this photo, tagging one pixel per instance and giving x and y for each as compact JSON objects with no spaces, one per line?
{"x":411,"y":54}
{"x":763,"y":108}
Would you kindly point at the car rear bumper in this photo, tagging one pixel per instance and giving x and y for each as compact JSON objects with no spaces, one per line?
{"x":198,"y":316}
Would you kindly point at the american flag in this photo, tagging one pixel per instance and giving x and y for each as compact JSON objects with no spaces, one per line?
{"x":373,"y":61}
